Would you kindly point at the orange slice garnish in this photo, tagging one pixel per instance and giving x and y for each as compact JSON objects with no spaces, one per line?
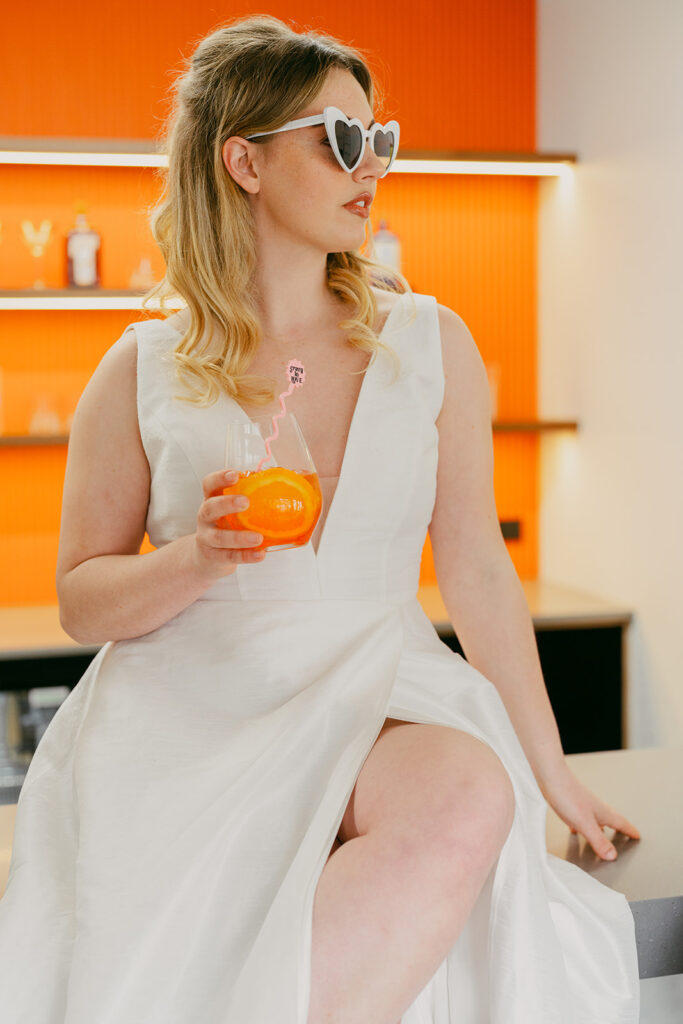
{"x":282,"y":503}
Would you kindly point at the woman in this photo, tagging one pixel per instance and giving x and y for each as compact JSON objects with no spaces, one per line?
{"x":276,"y":795}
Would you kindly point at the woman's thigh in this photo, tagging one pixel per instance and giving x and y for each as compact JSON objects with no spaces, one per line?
{"x":432,"y":784}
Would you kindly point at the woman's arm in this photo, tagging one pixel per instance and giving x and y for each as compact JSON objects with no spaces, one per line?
{"x":106,"y":589}
{"x":480,"y":588}
{"x":478,"y":583}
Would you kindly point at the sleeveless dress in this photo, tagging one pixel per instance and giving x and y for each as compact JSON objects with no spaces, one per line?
{"x":179,"y":809}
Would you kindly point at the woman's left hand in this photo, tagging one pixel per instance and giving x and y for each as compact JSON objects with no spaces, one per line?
{"x":586,"y":813}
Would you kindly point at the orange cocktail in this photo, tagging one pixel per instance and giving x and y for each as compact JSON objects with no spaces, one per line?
{"x":284,"y":506}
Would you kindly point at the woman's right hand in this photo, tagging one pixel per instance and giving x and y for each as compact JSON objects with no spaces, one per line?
{"x":218,"y":552}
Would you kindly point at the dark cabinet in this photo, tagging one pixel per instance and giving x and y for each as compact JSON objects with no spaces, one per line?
{"x":583,"y":672}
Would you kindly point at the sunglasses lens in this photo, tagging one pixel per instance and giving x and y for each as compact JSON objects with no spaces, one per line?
{"x":349,"y":141}
{"x":350,"y":144}
{"x":384,"y":145}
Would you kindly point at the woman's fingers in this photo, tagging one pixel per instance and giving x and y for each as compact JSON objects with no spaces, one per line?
{"x":597,"y":838}
{"x":219,"y":505}
{"x":213,"y":483}
{"x":218,"y":550}
{"x":586,"y":813}
{"x":619,"y":822}
{"x":599,"y":841}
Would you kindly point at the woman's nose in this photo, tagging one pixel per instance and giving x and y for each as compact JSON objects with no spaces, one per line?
{"x":370,"y":164}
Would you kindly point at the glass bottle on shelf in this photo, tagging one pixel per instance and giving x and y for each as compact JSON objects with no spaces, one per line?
{"x":83,"y":246}
{"x":142,"y":278}
{"x":387,"y":247}
{"x":45,"y":419}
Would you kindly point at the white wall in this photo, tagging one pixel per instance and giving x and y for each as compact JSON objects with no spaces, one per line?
{"x":610,"y":88}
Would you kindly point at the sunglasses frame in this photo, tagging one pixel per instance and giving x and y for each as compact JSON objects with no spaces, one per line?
{"x":329,"y":118}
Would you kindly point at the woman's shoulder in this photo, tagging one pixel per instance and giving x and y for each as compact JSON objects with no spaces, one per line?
{"x":465,"y":377}
{"x":174,"y":325}
{"x":455,"y":334}
{"x":412,"y":303}
{"x":121,"y":357}
{"x":138,"y":342}
{"x":387,"y":299}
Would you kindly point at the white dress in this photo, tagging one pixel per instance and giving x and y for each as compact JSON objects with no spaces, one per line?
{"x":179,"y":809}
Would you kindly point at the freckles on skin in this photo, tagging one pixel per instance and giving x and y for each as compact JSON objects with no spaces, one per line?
{"x":310,"y":178}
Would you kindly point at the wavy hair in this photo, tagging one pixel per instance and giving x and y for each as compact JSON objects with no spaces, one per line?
{"x":252,"y":74}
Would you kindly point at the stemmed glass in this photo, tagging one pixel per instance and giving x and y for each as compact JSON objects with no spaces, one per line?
{"x":285,"y":499}
{"x":37,"y":240}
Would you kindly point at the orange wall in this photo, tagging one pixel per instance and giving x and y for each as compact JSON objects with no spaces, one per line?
{"x":457,"y":76}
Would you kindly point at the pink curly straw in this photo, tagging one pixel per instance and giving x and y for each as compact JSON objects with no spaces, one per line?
{"x":297,"y":375}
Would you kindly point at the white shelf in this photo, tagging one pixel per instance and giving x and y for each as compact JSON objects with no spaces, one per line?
{"x":95,"y":152}
{"x":78,"y":298}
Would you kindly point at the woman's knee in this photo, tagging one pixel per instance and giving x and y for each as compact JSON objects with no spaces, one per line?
{"x":483,"y":807}
{"x":430,"y":786}
{"x":469,"y":802}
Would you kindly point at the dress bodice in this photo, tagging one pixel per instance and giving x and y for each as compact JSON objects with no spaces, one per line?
{"x":378,"y":509}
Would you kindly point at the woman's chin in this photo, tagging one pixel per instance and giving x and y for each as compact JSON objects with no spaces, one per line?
{"x":351,"y":238}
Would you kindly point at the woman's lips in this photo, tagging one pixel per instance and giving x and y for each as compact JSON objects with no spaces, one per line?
{"x":360,"y":211}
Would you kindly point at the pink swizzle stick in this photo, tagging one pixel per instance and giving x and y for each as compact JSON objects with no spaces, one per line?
{"x":297,"y":375}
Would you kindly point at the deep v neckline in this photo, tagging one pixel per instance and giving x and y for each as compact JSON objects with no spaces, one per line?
{"x":349,"y":437}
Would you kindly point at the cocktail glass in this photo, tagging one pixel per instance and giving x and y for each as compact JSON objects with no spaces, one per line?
{"x":285,"y":499}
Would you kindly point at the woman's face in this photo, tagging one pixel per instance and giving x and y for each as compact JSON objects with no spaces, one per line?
{"x":296,"y":188}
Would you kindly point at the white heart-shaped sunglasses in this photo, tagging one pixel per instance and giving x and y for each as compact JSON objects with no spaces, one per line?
{"x":348,"y":137}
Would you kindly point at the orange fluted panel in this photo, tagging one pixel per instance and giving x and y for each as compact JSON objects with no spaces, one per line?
{"x":458,"y":74}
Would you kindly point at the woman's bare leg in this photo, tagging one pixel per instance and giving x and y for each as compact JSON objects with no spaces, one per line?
{"x":392,"y":900}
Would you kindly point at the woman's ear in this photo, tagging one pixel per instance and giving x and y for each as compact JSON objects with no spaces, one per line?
{"x":238,"y":160}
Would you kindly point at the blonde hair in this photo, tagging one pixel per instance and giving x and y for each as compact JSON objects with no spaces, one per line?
{"x":253,"y":74}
